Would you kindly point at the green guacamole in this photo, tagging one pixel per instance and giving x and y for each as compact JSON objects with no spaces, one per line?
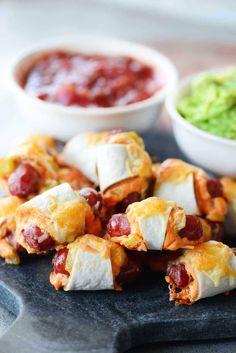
{"x":211,"y":104}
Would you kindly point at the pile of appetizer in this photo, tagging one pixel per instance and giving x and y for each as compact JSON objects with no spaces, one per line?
{"x":109,"y":212}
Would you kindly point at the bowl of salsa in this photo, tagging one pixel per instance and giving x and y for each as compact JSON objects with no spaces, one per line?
{"x":94,"y":83}
{"x":91,"y":81}
{"x":203,"y":113}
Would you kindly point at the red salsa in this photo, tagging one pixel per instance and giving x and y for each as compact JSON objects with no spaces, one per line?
{"x":81,"y":80}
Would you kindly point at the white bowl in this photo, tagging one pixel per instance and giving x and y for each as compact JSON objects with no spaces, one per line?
{"x":65,"y":122}
{"x":209,"y":151}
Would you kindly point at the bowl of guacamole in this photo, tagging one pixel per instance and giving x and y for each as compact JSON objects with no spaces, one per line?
{"x":210,"y":103}
{"x":203,"y":114}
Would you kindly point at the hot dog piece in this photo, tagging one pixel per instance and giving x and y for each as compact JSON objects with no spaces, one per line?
{"x":119,"y":225}
{"x":229,"y":190}
{"x":37,"y":239}
{"x":28,"y":169}
{"x":193,"y":229}
{"x":93,"y":198}
{"x":190,"y":187}
{"x":55,"y":217}
{"x":130,"y":272}
{"x":24,"y":181}
{"x":59,"y":262}
{"x":217,"y":231}
{"x":93,"y":263}
{"x":204,"y":271}
{"x":128,"y":200}
{"x":156,"y":224}
{"x":215,"y":188}
{"x":178,"y":275}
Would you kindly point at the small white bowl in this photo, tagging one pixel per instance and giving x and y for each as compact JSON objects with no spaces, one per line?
{"x":65,"y":122}
{"x":209,"y":151}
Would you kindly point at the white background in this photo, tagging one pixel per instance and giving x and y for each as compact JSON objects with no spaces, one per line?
{"x":27,"y":22}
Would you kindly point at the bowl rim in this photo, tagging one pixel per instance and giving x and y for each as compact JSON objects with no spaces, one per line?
{"x":59,"y":43}
{"x":170,"y":104}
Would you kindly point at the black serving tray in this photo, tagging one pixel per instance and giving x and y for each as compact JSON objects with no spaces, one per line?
{"x":36,"y":318}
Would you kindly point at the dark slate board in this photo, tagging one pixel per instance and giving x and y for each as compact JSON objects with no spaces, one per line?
{"x":36,"y":318}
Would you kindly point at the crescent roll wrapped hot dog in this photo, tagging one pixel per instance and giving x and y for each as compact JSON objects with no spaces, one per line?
{"x":156,"y":224}
{"x":81,"y":151}
{"x":92,"y":263}
{"x":33,"y":167}
{"x":115,"y":161}
{"x":66,"y":173}
{"x":204,"y":271}
{"x":124,"y":167}
{"x":8,"y":245}
{"x":229,"y":187}
{"x":191,"y":189}
{"x":54,"y":217}
{"x":28,"y":169}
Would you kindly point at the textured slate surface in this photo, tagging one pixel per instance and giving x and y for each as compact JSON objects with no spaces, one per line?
{"x":43,"y":320}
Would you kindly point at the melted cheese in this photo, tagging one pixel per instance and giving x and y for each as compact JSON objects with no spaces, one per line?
{"x":149,"y":207}
{"x":138,"y":162}
{"x":74,"y":177}
{"x":33,"y":151}
{"x":90,"y":242}
{"x":8,"y":207}
{"x":133,"y":241}
{"x":52,"y":198}
{"x":229,"y":187}
{"x":94,"y":138}
{"x":61,"y":211}
{"x":126,"y":138}
{"x":174,"y":170}
{"x":118,"y":258}
{"x":7,"y":166}
{"x":214,"y":267}
{"x":150,"y":218}
{"x":69,"y":219}
{"x":44,"y":140}
{"x":93,"y":263}
{"x":210,"y":255}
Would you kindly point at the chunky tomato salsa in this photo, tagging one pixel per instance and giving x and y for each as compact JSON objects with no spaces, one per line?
{"x":81,"y":80}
